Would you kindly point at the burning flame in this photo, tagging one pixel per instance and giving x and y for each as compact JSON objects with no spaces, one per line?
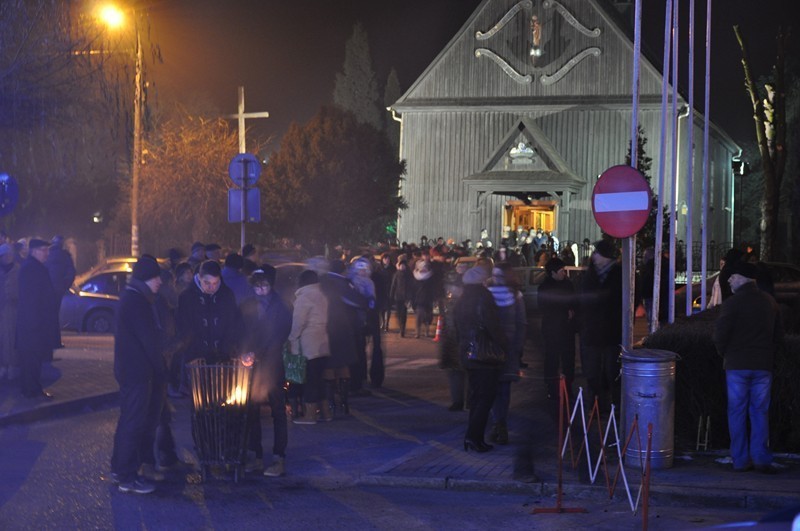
{"x":238,"y":397}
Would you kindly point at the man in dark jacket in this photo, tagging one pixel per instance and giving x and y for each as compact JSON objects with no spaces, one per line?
{"x":747,"y":333}
{"x":62,"y":274}
{"x":140,"y":370}
{"x":37,"y":318}
{"x":557,"y":307}
{"x":601,"y":324}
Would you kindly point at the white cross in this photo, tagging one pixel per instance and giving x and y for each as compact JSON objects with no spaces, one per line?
{"x":241,"y":116}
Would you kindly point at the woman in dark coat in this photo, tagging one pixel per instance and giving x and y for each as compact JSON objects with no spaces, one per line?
{"x":345,"y":304}
{"x":424,"y":296}
{"x":476,"y":309}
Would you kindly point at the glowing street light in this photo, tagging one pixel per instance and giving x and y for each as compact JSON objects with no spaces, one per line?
{"x":113,"y":17}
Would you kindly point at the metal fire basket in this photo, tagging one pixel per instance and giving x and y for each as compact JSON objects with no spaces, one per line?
{"x":220,"y":396}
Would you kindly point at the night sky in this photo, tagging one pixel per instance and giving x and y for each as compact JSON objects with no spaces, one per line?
{"x":286,"y":52}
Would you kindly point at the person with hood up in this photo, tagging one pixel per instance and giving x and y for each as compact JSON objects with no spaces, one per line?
{"x":360,"y":275}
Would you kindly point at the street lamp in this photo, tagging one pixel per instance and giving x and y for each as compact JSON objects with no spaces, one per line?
{"x":114,"y":18}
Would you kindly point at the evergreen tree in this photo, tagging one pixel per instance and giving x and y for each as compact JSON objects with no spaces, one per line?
{"x":356,"y":89}
{"x":333,"y":180}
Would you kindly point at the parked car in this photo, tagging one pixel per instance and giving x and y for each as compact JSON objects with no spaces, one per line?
{"x":109,"y":263}
{"x":91,"y":303}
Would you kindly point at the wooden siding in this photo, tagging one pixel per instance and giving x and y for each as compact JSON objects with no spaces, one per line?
{"x":457,"y":74}
{"x":445,"y":148}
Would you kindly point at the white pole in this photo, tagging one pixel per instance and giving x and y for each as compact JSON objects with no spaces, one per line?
{"x":690,"y":168}
{"x":673,"y":221}
{"x":704,"y":223}
{"x":662,"y":163}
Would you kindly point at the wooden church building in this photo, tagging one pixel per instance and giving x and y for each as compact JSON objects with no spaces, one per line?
{"x":518,"y":116}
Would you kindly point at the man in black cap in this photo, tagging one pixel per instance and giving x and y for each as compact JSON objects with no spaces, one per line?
{"x":61,"y":268}
{"x":140,"y":370}
{"x":37,"y":318}
{"x":601,"y":324}
{"x":747,"y":333}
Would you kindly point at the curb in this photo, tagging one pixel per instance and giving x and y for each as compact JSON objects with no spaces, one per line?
{"x":59,"y":409}
{"x":660,"y":494}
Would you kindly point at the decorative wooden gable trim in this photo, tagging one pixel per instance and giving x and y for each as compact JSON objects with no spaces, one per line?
{"x":525,"y":161}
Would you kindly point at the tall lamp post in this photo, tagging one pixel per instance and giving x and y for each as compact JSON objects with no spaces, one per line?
{"x":113,"y":17}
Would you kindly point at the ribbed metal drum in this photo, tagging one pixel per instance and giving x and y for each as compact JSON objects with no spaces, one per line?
{"x":648,"y":390}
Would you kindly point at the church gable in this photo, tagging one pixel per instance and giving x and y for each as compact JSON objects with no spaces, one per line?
{"x":518,"y":50}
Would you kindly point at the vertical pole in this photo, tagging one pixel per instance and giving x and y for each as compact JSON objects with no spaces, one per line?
{"x":690,"y":169}
{"x":629,"y":244}
{"x":137,"y":145}
{"x":704,"y":213}
{"x":661,"y":166}
{"x":243,"y":149}
{"x":673,"y":218}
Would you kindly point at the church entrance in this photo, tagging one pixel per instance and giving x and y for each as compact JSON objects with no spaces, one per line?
{"x":533,"y":215}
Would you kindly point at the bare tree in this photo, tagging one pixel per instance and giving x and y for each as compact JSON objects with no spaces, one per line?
{"x":769,"y":114}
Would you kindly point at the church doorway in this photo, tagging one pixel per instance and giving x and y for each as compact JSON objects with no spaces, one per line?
{"x":533,"y":215}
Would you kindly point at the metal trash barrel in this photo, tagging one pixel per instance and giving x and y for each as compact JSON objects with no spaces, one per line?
{"x":220,"y":395}
{"x":648,"y":390}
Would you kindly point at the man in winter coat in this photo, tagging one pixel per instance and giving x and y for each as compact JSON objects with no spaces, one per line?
{"x":601,"y":324}
{"x":747,"y":333}
{"x":37,"y":318}
{"x":556,"y":305}
{"x":62,"y":274}
{"x":140,"y":370}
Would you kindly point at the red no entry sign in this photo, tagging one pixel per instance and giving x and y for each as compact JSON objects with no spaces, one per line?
{"x":621,"y":201}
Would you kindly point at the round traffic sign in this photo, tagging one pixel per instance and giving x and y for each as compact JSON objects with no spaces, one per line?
{"x":9,"y":194}
{"x":621,"y":201}
{"x":244,"y":169}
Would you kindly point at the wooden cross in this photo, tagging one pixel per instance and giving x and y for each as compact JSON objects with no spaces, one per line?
{"x":241,"y":116}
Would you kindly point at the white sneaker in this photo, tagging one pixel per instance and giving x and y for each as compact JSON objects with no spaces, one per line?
{"x":277,"y":468}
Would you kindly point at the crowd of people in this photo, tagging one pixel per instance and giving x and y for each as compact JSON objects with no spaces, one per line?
{"x":222,"y":306}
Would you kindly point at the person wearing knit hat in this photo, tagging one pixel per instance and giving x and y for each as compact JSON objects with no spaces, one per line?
{"x":141,"y":373}
{"x":267,"y":323}
{"x":601,"y":327}
{"x":747,"y":333}
{"x":556,"y":298}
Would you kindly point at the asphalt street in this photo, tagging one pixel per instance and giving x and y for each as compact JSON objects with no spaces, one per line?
{"x":395,"y":463}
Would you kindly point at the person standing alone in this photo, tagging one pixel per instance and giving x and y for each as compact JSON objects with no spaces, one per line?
{"x":747,"y":333}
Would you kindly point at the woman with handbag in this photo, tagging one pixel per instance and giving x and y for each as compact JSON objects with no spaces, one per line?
{"x":482,"y":347}
{"x":309,"y":337}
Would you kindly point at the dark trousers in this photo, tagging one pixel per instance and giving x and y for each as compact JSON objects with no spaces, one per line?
{"x":315,"y":385}
{"x":158,"y":444}
{"x":277,"y":404}
{"x":600,"y":365}
{"x":376,"y":365}
{"x":31,"y":371}
{"x":130,"y":438}
{"x":559,"y":358}
{"x":482,"y":392}
{"x":402,"y":316}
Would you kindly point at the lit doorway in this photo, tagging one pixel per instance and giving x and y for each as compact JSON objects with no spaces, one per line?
{"x":533,"y":215}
